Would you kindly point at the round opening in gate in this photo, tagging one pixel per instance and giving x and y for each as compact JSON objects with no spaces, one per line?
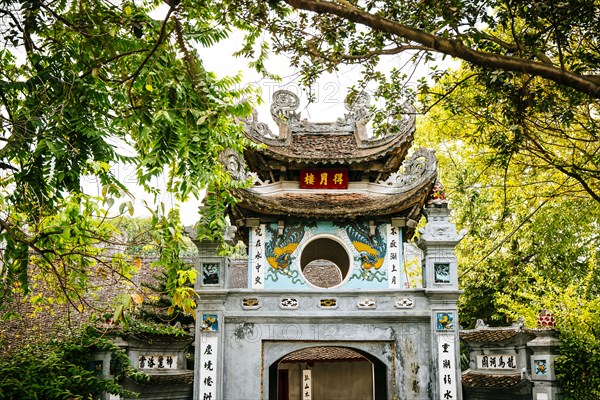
{"x":324,"y":262}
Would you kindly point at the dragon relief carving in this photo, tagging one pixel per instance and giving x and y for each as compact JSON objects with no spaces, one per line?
{"x":421,"y":164}
{"x":359,"y":107}
{"x":258,"y":128}
{"x":438,"y":227}
{"x":236,"y":166}
{"x":284,"y":106}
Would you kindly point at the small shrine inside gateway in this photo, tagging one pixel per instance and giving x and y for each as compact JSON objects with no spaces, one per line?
{"x":328,"y":308}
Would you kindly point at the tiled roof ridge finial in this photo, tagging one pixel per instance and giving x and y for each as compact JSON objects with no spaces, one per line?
{"x":284,"y":106}
{"x":480,"y":324}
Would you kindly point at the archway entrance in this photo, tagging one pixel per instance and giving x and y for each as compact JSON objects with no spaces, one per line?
{"x":328,"y":373}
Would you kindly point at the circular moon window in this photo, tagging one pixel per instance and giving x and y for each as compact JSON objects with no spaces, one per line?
{"x":325,"y":262}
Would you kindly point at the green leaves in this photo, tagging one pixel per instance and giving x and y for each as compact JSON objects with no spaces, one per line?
{"x":577,"y":368}
{"x":98,"y":76}
{"x":61,"y":369}
{"x":533,"y":240}
{"x":536,"y":63}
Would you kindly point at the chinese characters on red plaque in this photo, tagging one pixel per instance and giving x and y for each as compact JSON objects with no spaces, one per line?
{"x":324,"y":178}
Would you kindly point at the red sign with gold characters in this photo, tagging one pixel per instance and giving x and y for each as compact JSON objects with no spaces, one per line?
{"x":324,"y":178}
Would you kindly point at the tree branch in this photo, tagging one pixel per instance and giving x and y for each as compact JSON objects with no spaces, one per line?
{"x":373,"y":53}
{"x":64,"y":21}
{"x":448,"y":92}
{"x":11,"y":119}
{"x":111,"y":59}
{"x":589,"y":85}
{"x":161,"y":38}
{"x":550,"y":159}
{"x":499,"y":244}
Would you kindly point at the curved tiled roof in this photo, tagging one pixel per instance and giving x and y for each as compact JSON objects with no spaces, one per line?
{"x":181,"y":377}
{"x":491,"y":335}
{"x":344,"y":141}
{"x":323,"y":353}
{"x":400,"y":192}
{"x":374,"y":162}
{"x":348,"y":205}
{"x":339,"y":149}
{"x":492,"y":381}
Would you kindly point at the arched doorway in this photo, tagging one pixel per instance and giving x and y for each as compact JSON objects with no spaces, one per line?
{"x":336,"y":373}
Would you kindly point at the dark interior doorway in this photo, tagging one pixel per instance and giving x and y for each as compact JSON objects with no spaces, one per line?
{"x":337,"y":373}
{"x":283,"y":392}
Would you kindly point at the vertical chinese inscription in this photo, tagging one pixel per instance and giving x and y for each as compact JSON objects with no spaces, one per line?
{"x":208,"y":367}
{"x":394,"y":256}
{"x":447,"y":367}
{"x":257,"y":261}
{"x":306,"y":384}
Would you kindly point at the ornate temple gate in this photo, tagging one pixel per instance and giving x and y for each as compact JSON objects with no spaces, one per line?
{"x":328,"y":282}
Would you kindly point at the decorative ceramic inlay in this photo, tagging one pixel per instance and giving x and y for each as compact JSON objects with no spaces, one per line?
{"x":405,"y":302}
{"x":289,"y":303}
{"x":211,"y":273}
{"x":210,"y":323}
{"x":441,"y":272}
{"x":367,"y":304}
{"x":250,"y":303}
{"x":540,"y":367}
{"x":444,"y":321}
{"x":328,"y":303}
